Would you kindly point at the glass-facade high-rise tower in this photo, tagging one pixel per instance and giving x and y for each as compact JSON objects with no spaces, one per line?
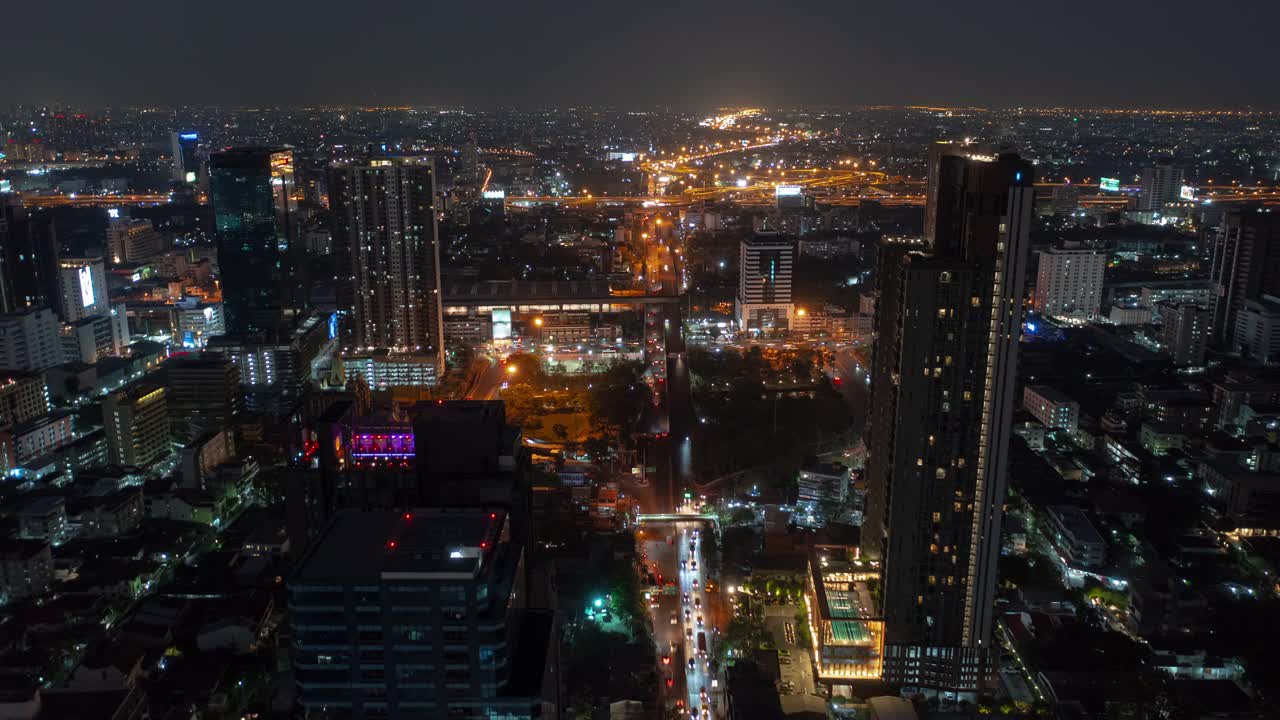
{"x":251,"y":190}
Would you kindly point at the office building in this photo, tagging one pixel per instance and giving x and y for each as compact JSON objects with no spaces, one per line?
{"x":384,"y":234}
{"x":765,"y":262}
{"x":28,"y":257}
{"x":1257,"y":335}
{"x":407,"y":613}
{"x":202,"y":394}
{"x":251,"y":190}
{"x":948,"y":322}
{"x":185,"y":147}
{"x":133,"y":241}
{"x":137,"y":424}
{"x":82,"y":285}
{"x":1184,"y":332}
{"x":1246,"y":264}
{"x":23,"y":396}
{"x":1161,"y":185}
{"x":29,"y":340}
{"x":1069,"y":282}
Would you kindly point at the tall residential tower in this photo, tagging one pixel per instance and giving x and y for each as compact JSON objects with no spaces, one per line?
{"x":384,"y":234}
{"x":948,"y":321}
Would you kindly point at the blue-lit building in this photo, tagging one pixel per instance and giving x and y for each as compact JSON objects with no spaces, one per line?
{"x":186,"y":156}
{"x":251,"y":190}
{"x":420,"y":613}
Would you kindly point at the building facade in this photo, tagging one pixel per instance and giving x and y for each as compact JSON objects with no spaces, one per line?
{"x":1246,"y":264}
{"x":82,"y":286}
{"x":137,"y":425}
{"x":202,"y":394}
{"x":251,"y":190}
{"x":1054,"y":409}
{"x":1161,"y":185}
{"x":29,"y":340}
{"x":948,"y":319}
{"x":1184,"y":334}
{"x":133,"y":241}
{"x":1069,"y":282}
{"x":765,"y":262}
{"x":384,"y":234}
{"x":417,"y":613}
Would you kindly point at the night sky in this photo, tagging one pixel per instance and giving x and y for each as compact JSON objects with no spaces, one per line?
{"x":691,"y":53}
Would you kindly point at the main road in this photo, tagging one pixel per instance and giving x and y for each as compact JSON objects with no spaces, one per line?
{"x":685,"y":620}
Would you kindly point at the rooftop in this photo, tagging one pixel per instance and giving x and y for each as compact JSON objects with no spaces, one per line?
{"x":1076,"y":523}
{"x":415,"y":544}
{"x":1050,"y":393}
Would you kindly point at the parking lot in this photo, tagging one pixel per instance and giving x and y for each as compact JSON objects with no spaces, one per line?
{"x":794,"y":661}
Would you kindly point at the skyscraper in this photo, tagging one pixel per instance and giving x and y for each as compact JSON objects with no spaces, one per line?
{"x":1161,"y":184}
{"x":28,"y":257}
{"x":764,"y":281}
{"x":1246,"y":265}
{"x":186,"y":158}
{"x":948,"y":320}
{"x":251,"y":190}
{"x":384,"y":233}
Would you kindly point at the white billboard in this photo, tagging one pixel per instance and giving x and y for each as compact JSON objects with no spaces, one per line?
{"x":86,"y":285}
{"x":787,"y":191}
{"x":501,"y":323}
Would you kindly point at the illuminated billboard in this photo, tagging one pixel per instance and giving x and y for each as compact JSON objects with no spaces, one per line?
{"x":86,"y":286}
{"x":494,"y":194}
{"x":1187,"y":193}
{"x":787,"y":191}
{"x":190,"y":176}
{"x":188,"y":136}
{"x":501,"y":323}
{"x":1109,"y":184}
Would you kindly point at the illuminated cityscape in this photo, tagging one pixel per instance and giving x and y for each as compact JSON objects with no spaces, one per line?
{"x":697,"y":363}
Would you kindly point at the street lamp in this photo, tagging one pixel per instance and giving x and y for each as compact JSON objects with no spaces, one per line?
{"x":511,"y":370}
{"x":537,"y":322}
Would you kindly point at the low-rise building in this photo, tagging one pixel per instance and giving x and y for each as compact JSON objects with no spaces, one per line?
{"x":44,"y":518}
{"x":823,"y":491}
{"x":1078,"y":542}
{"x":26,"y":569}
{"x":1053,"y":408}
